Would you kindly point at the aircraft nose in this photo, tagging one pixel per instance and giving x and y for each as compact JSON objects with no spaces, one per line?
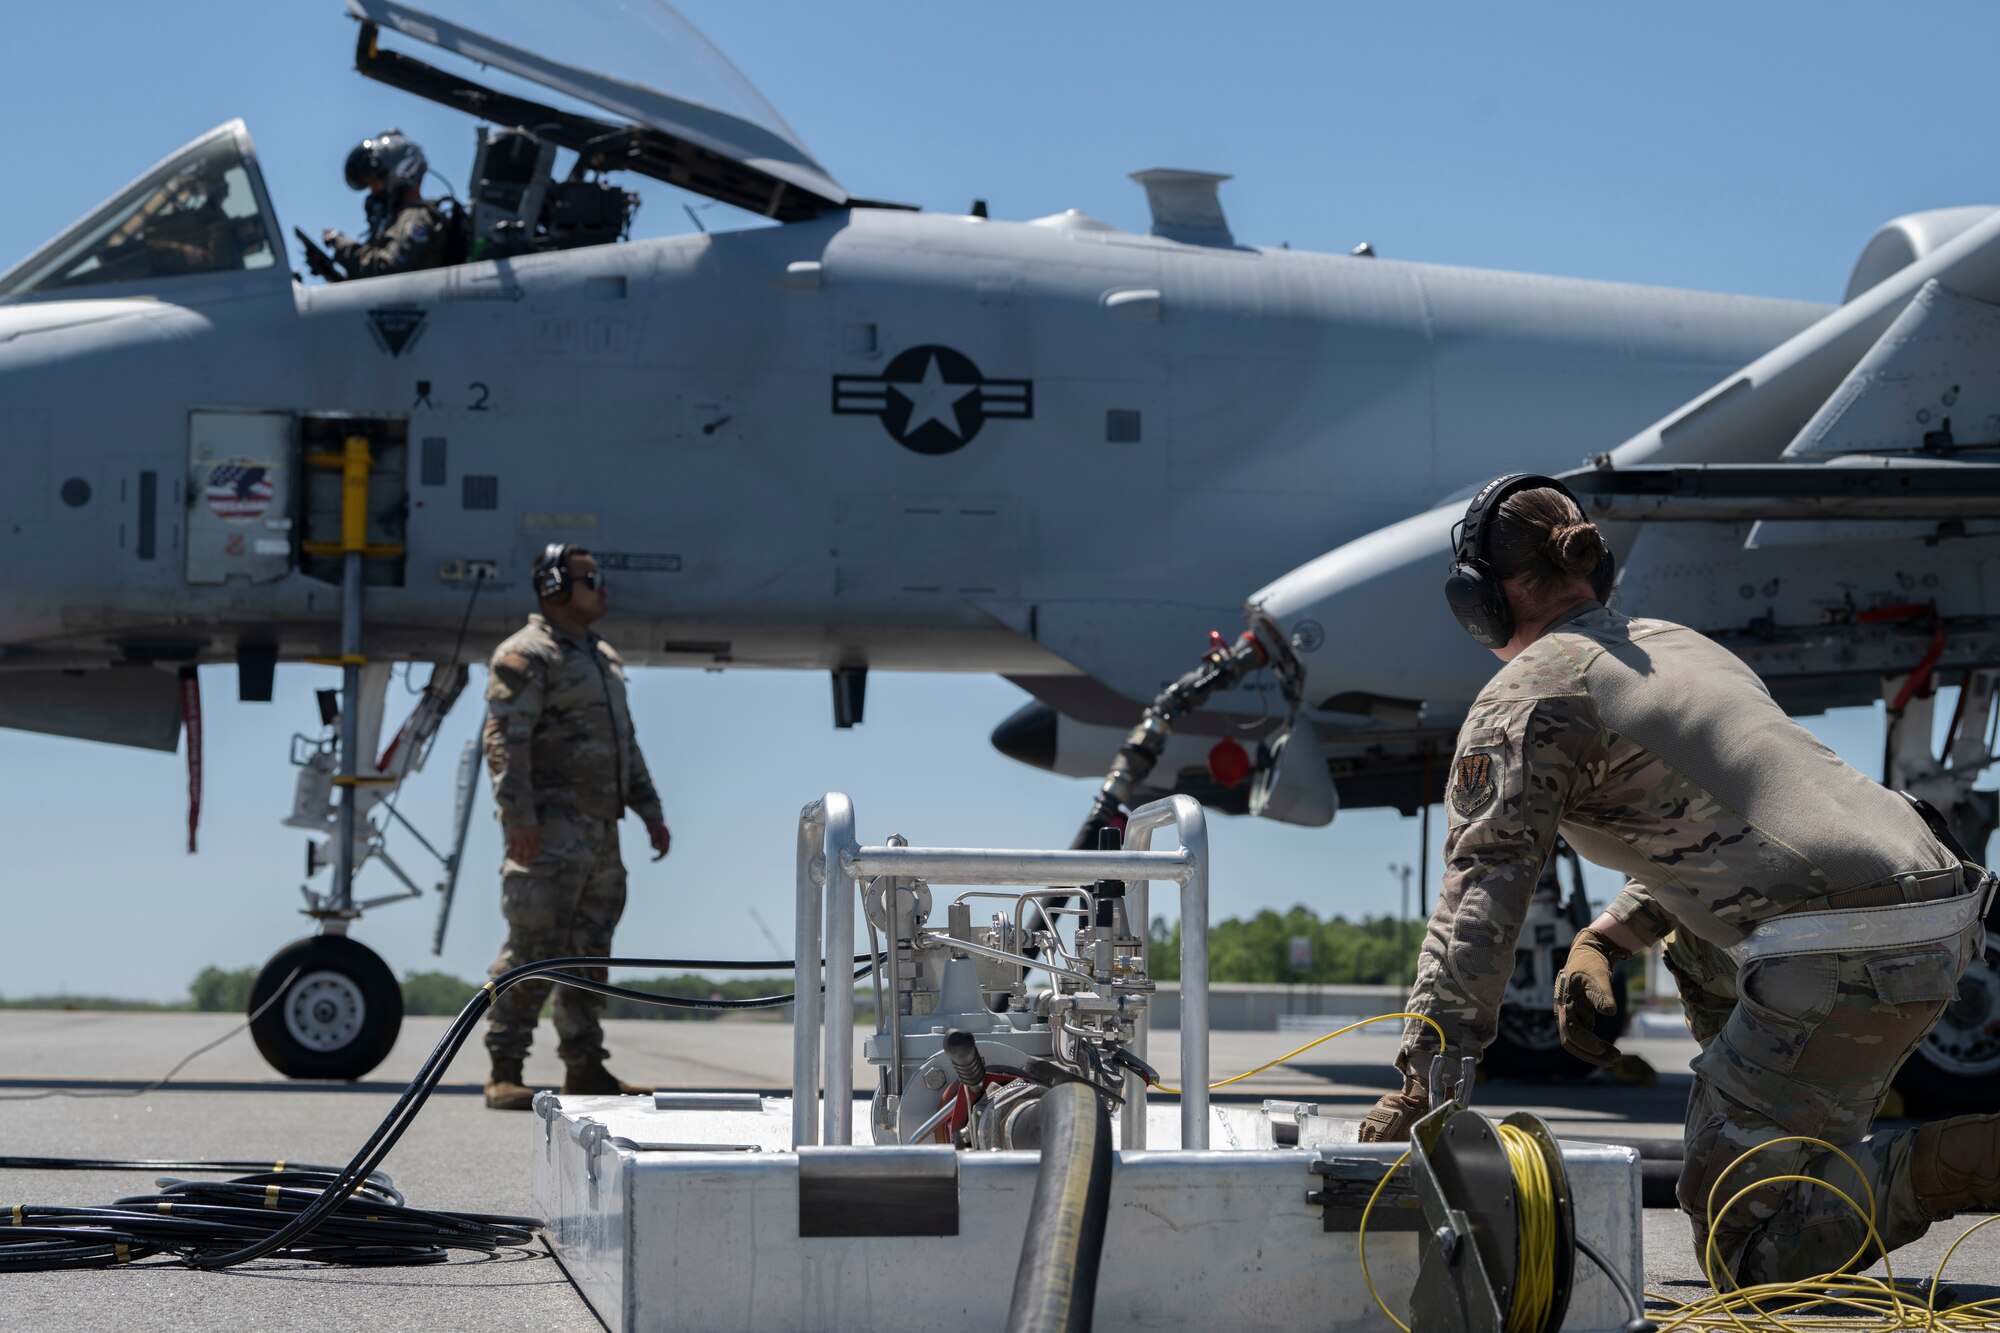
{"x":1370,"y":618}
{"x":1028,"y":735}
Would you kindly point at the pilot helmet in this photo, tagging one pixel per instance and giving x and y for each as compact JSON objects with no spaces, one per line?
{"x":392,"y":156}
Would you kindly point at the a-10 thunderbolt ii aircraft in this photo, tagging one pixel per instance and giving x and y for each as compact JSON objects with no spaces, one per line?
{"x":876,"y":438}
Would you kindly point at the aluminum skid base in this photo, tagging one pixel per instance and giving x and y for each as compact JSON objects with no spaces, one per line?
{"x":718,"y":1212}
{"x":699,"y":1217}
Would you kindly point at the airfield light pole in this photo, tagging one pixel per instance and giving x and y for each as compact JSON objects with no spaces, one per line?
{"x":1402,"y":919}
{"x":1424,"y":842}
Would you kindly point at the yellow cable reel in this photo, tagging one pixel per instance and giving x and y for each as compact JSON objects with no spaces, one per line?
{"x":1500,"y":1256}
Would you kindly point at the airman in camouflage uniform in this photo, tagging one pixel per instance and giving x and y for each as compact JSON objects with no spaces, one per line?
{"x":1656,"y":752}
{"x":565,"y":764}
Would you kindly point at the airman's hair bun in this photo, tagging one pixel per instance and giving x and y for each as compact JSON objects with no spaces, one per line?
{"x":1542,"y":537}
{"x":1574,"y":548}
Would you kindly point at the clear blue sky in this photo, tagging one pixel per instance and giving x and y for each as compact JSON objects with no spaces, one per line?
{"x":1725,"y":147}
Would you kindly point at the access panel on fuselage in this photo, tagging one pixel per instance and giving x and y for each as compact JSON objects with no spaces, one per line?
{"x":240,"y":489}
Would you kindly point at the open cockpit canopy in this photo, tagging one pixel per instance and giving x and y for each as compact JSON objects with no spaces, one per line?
{"x":684,"y":114}
{"x":201,"y":211}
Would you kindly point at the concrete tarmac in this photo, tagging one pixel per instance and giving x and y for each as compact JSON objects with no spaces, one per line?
{"x":228,"y":1104}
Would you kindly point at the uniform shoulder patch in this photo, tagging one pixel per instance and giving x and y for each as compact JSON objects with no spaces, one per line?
{"x":1472,"y":785}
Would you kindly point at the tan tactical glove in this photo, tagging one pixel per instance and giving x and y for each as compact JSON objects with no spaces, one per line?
{"x":1583,"y":991}
{"x":1390,"y":1120}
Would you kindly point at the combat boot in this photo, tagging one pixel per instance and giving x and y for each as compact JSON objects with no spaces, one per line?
{"x":592,"y":1078}
{"x":504,"y":1089}
{"x":1955,"y":1166}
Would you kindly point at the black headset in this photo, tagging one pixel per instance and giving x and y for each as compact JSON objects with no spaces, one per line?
{"x":552,"y":578}
{"x":1473,"y":589}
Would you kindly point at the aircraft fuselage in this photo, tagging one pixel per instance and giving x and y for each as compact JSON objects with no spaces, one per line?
{"x":895,"y":439}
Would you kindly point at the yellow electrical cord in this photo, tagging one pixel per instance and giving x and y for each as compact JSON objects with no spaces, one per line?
{"x":1361,"y":1239}
{"x":1853,"y":1303}
{"x":1291,"y":1055}
{"x":1535,"y":1243}
{"x":1737,"y":1310}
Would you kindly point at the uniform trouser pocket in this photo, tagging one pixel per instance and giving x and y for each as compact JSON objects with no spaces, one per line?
{"x":565,"y":903}
{"x":1705,"y":977}
{"x":1810,"y":1051}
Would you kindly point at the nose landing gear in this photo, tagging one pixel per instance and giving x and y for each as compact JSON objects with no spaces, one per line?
{"x":326,"y":1007}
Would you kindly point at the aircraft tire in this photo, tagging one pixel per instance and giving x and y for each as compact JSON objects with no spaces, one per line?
{"x":1956,"y":1068}
{"x":340,"y":1012}
{"x":1527,"y":1046}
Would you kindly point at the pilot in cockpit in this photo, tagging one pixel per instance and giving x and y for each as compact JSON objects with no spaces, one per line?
{"x":406,"y":232}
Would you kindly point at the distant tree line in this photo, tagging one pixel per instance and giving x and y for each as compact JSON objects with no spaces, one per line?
{"x":1375,"y":951}
{"x":439,"y":993}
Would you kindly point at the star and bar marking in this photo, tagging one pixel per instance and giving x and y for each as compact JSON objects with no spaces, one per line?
{"x":932,"y":399}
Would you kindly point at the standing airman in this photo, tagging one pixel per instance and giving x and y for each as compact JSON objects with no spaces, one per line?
{"x":566,"y":766}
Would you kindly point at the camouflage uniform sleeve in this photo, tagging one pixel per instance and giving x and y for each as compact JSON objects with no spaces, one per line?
{"x":514,"y":689}
{"x":410,"y":242}
{"x":1519,"y":766}
{"x":643,"y":797}
{"x":1640,"y":913}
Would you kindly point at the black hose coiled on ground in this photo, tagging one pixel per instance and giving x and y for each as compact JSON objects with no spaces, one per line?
{"x":82,"y":1237}
{"x":374,"y":1226}
{"x":1055,"y":1284}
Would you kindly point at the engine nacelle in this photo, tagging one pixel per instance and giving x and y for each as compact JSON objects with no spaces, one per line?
{"x":1368,"y":619}
{"x":1902,"y":241}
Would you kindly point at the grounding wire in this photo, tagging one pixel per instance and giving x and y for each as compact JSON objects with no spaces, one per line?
{"x":1840,"y":1300}
{"x":167,"y":1077}
{"x":1639,"y":1322}
{"x":1535,"y":1209}
{"x":1289,"y":1055}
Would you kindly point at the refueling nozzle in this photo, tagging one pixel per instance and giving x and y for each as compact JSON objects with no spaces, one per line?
{"x":1223,"y":664}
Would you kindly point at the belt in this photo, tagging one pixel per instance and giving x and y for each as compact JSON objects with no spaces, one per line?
{"x":1902,"y":925}
{"x":1921,"y":886}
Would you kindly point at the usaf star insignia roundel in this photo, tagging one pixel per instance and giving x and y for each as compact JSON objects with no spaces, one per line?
{"x":932,"y":399}
{"x":1472,"y":783}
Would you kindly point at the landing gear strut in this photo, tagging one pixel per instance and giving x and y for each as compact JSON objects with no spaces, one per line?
{"x":326,"y":1006}
{"x":1957,"y":1066}
{"x":1527,"y":1044}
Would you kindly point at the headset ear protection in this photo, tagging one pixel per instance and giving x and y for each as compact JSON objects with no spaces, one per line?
{"x":552,"y":580}
{"x":1473,"y":589}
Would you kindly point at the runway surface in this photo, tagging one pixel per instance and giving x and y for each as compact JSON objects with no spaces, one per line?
{"x":459,"y":1155}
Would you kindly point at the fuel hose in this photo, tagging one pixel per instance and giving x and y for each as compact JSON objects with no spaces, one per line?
{"x":1055,"y":1284}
